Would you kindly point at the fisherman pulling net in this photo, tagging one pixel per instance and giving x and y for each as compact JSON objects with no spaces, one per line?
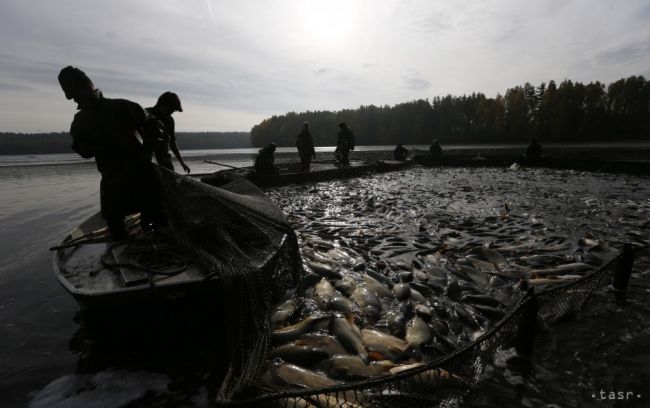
{"x":245,"y":242}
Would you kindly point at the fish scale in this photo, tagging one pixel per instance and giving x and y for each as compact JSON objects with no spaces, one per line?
{"x":423,"y":218}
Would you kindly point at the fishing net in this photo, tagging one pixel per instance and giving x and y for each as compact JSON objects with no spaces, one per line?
{"x":245,"y":243}
{"x":443,"y":381}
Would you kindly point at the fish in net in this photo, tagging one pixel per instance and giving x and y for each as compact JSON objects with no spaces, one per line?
{"x":242,"y":239}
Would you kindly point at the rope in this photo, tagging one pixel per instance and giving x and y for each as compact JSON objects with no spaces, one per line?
{"x":151,"y":255}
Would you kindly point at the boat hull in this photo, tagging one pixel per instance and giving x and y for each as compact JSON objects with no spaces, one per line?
{"x":568,"y":163}
{"x":289,"y":173}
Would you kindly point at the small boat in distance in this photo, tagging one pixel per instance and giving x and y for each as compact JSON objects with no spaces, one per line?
{"x":496,"y":159}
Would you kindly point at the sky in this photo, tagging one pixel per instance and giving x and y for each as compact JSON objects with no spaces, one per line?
{"x":235,"y":63}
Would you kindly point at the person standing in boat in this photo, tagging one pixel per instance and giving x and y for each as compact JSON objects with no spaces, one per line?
{"x":344,"y":143}
{"x":436,"y":151}
{"x":400,"y":153}
{"x":108,"y":130}
{"x":161,"y":138}
{"x":305,"y":145}
{"x":265,"y":161}
{"x":533,"y":151}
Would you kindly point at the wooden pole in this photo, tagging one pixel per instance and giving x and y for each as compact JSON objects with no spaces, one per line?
{"x":221,"y":164}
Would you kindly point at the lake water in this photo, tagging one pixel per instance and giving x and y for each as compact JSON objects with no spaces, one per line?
{"x":607,"y":348}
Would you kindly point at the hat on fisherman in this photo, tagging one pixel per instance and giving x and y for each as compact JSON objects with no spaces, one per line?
{"x":170,"y":99}
{"x":73,"y":79}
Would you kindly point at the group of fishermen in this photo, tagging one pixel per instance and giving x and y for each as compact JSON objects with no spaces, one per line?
{"x":123,"y":138}
{"x":532,"y":154}
{"x":264,"y":163}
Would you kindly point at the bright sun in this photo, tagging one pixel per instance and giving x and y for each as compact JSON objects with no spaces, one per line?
{"x":326,"y":25}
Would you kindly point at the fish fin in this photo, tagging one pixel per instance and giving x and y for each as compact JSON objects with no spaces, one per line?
{"x":376,"y":356}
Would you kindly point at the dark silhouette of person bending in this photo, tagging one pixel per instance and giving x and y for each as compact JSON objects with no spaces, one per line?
{"x":264,"y":162}
{"x":161,"y":138}
{"x":400,"y":153}
{"x":108,"y":131}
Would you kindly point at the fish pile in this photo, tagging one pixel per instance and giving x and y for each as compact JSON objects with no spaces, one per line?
{"x":398,"y":277}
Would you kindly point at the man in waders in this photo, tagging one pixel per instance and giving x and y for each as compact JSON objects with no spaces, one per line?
{"x":305,"y":146}
{"x":344,"y":143}
{"x":162,"y":138}
{"x":436,"y":151}
{"x":107,"y":129}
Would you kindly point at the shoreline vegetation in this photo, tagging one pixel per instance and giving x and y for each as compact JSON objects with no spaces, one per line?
{"x":59,"y":142}
{"x":566,"y":113}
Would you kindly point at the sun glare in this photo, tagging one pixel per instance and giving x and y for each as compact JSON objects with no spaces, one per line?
{"x":326,"y":25}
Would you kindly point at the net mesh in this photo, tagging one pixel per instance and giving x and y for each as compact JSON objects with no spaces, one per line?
{"x":444,"y":380}
{"x":244,"y":241}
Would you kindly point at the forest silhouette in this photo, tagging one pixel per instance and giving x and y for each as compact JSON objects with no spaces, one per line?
{"x":49,"y":143}
{"x":568,"y":112}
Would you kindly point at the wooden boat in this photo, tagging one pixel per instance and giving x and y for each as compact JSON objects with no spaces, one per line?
{"x":290,"y":173}
{"x":82,"y":265}
{"x":146,"y":274}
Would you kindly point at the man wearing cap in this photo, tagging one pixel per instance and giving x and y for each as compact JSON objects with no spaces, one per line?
{"x":107,"y":129}
{"x":160,"y":139}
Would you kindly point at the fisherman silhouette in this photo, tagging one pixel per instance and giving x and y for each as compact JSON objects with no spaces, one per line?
{"x":162,"y":138}
{"x":264,"y":163}
{"x":435,"y":150}
{"x":108,"y":130}
{"x":533,"y":151}
{"x":305,"y":146}
{"x":344,"y":143}
{"x":400,"y":153}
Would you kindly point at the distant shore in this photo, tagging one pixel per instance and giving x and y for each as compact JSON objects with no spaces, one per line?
{"x":635,"y":151}
{"x":639,"y":151}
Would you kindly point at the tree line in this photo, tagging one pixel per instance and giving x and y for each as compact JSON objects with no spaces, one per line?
{"x":59,"y":142}
{"x":570,"y":111}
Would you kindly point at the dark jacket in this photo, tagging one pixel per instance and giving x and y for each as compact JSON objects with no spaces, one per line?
{"x":534,"y":151}
{"x":435,"y":150}
{"x":164,"y":130}
{"x":305,"y":144}
{"x":264,"y":162}
{"x":345,"y":139}
{"x":107,"y":130}
{"x":159,"y":136}
{"x":400,"y":153}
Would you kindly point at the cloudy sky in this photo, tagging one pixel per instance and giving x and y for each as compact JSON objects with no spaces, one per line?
{"x":234,"y":63}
